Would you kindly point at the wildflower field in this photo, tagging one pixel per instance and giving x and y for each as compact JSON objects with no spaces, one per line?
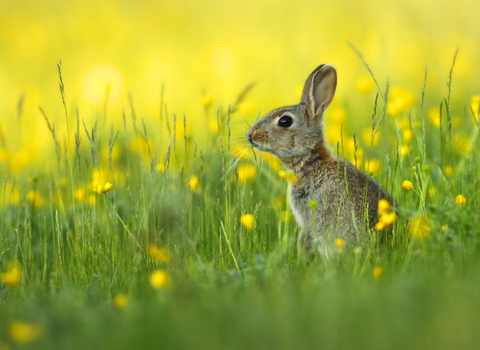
{"x":135,"y":215}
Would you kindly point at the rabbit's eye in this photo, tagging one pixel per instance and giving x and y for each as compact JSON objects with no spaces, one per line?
{"x":285,"y":121}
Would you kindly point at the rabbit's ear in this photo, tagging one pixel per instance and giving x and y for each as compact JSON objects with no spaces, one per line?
{"x":319,"y":89}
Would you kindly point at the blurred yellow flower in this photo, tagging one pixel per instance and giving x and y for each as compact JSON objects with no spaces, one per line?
{"x":248,"y":220}
{"x":367,"y":137}
{"x":159,"y":279}
{"x":373,"y":167}
{"x":434,"y":116}
{"x":25,"y":333}
{"x":246,"y":172}
{"x":384,"y":206}
{"x":288,"y":175}
{"x":139,"y":144}
{"x":420,"y":227}
{"x":460,"y":199}
{"x":242,"y":152}
{"x":379,"y":226}
{"x":404,"y":150}
{"x":121,"y":301}
{"x":158,"y":254}
{"x":35,"y":199}
{"x":194,"y":184}
{"x":378,"y":272}
{"x":79,"y":195}
{"x":448,"y":170}
{"x":272,"y":160}
{"x":333,"y":134}
{"x":400,"y":100}
{"x":432,"y":191}
{"x":365,"y":85}
{"x":475,"y":105}
{"x":462,"y":144}
{"x":247,"y":107}
{"x":101,"y":189}
{"x":339,"y":242}
{"x":407,"y":185}
{"x":213,"y":126}
{"x":338,"y":115}
{"x":407,"y":135}
{"x":12,"y":277}
{"x":388,"y":219}
{"x":208,"y":100}
{"x":445,"y":227}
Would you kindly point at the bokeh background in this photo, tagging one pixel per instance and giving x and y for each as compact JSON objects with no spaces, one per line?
{"x":134,"y":50}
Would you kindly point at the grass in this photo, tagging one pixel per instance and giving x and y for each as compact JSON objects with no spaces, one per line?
{"x":230,"y":286}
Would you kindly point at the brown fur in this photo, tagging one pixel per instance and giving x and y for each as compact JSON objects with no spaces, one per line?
{"x":347,"y":198}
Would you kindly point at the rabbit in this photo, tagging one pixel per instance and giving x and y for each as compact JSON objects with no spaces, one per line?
{"x":345,"y":198}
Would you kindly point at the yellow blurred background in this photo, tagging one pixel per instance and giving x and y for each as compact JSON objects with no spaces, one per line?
{"x":193,"y":48}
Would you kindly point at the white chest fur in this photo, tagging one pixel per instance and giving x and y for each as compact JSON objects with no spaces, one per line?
{"x":296,"y":211}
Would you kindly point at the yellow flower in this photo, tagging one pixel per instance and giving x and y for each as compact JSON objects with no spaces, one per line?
{"x":242,"y":152}
{"x":365,"y":85}
{"x":400,"y":101}
{"x":384,"y":206}
{"x":407,"y":135}
{"x":432,"y":192}
{"x":248,"y":220}
{"x":388,"y":219}
{"x":407,"y":185}
{"x":79,"y":195}
{"x":272,"y":160}
{"x":159,"y":254}
{"x":404,"y":150}
{"x":373,"y":167}
{"x":35,"y":199}
{"x":12,"y":277}
{"x":288,"y":175}
{"x":339,"y":242}
{"x":213,"y":125}
{"x":101,"y":189}
{"x":445,"y":227}
{"x":378,"y":272}
{"x":194,"y":184}
{"x":338,"y":115}
{"x":460,"y":199}
{"x":207,"y":100}
{"x":420,"y":227}
{"x":448,"y":170}
{"x":367,"y":137}
{"x":24,"y":333}
{"x":159,"y":279}
{"x":434,"y":116}
{"x":247,"y":107}
{"x":475,"y":105}
{"x":463,"y":144}
{"x":246,"y":172}
{"x":379,"y":226}
{"x":121,"y":301}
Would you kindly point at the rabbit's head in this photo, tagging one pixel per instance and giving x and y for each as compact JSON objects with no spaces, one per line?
{"x":297,"y":130}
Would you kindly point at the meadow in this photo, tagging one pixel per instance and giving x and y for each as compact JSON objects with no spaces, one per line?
{"x":135,"y":215}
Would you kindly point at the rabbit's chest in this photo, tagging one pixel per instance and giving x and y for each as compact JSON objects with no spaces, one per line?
{"x":299,"y":199}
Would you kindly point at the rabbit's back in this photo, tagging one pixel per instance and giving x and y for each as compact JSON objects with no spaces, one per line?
{"x":345,"y":199}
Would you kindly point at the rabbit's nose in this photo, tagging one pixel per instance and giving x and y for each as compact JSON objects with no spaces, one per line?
{"x":250,"y":136}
